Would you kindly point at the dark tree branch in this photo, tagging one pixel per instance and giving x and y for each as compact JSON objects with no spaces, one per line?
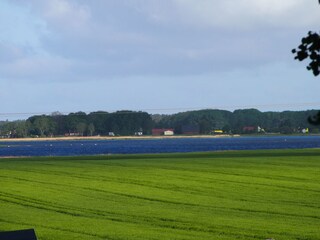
{"x":309,"y":48}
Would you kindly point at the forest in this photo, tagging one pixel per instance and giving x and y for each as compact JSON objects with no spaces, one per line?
{"x":128,"y":123}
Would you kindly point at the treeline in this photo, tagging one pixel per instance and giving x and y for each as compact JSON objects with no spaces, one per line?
{"x":80,"y":124}
{"x":126,"y":123}
{"x":240,"y":121}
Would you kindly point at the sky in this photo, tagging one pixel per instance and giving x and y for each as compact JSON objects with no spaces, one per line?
{"x":159,"y":56}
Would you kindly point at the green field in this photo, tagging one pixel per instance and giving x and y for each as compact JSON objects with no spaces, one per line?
{"x":224,"y":195}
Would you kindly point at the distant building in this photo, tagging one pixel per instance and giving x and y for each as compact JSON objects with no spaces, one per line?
{"x":139,"y":133}
{"x":260,"y":130}
{"x":168,"y":133}
{"x":72,"y":134}
{"x":162,"y":131}
{"x":217,"y":132}
{"x":111,"y":134}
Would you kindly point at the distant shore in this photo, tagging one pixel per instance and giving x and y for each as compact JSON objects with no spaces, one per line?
{"x":113,"y":138}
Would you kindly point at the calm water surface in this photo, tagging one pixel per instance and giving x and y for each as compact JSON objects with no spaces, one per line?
{"x":94,"y":147}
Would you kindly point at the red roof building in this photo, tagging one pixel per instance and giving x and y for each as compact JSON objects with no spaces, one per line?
{"x":160,"y":131}
{"x":249,"y":129}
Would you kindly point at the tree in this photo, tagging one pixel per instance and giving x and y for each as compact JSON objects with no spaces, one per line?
{"x":100,"y":121}
{"x":91,"y":129}
{"x":22,"y":128}
{"x":43,"y":125}
{"x":310,"y":48}
{"x":15,"y":129}
{"x":75,"y":122}
{"x":81,"y":128}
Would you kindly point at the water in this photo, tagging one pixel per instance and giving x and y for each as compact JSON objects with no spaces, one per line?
{"x":94,"y":147}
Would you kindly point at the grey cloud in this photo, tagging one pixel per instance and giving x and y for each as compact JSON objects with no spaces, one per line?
{"x":102,"y":39}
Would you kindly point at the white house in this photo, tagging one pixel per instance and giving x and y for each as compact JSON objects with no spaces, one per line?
{"x":168,"y":133}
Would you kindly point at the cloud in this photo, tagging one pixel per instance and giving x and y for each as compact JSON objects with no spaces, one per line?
{"x":17,"y":65}
{"x":104,"y":39}
{"x":240,"y":14}
{"x":18,"y":25}
{"x":63,"y":15}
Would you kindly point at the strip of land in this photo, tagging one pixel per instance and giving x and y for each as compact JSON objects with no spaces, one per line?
{"x":112,"y":137}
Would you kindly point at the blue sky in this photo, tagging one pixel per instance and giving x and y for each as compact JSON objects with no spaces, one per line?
{"x":162,"y":56}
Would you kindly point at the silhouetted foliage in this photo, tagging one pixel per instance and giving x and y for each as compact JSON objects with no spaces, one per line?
{"x":310,"y":48}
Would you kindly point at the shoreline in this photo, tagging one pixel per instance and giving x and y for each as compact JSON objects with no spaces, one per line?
{"x":147,"y":137}
{"x":112,"y":138}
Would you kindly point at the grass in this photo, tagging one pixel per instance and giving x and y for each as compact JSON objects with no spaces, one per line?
{"x":223,"y":195}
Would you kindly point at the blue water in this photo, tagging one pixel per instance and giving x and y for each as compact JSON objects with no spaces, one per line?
{"x":94,"y":147}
